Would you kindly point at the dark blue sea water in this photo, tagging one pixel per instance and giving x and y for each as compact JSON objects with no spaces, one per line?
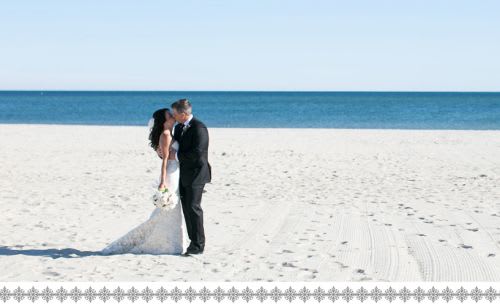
{"x":403,"y":110}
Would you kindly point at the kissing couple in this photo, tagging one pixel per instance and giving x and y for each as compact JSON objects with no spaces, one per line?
{"x":181,"y":142}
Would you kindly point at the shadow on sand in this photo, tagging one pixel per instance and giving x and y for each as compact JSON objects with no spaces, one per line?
{"x":50,"y":252}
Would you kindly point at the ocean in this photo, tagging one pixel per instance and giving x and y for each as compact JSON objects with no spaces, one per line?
{"x":386,"y":110}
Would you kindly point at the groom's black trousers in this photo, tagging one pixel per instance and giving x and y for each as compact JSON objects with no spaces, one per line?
{"x":193,"y":213}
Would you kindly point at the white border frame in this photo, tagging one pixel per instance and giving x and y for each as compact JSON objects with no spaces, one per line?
{"x":241,"y":292}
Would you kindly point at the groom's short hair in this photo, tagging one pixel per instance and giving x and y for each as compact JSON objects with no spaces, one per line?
{"x":182,"y":106}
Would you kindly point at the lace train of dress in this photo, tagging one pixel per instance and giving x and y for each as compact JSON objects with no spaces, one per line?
{"x":163,"y":232}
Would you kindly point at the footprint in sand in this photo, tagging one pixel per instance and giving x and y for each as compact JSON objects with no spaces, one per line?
{"x":287,"y":264}
{"x":342,"y":265}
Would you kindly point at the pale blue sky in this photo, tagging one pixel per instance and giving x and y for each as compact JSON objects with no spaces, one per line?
{"x":250,"y":45}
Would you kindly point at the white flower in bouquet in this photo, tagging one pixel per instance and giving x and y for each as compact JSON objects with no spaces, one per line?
{"x":164,"y":199}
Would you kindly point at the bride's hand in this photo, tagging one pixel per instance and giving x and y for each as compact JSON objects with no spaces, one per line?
{"x":162,"y":186}
{"x":158,"y":151}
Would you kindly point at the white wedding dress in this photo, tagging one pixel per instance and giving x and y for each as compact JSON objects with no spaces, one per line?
{"x":163,"y":233}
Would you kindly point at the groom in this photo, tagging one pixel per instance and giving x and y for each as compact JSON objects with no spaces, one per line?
{"x":195,"y":171}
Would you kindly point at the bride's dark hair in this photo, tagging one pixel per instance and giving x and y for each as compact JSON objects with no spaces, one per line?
{"x":157,"y":129}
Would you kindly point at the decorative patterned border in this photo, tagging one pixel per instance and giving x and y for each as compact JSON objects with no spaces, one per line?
{"x":247,"y":294}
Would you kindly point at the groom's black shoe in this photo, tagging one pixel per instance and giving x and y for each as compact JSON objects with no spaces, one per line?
{"x":193,"y":251}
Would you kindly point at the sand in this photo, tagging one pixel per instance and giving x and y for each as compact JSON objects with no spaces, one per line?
{"x":284,"y":205}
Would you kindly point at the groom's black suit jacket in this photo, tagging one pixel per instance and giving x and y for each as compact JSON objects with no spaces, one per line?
{"x":193,"y":153}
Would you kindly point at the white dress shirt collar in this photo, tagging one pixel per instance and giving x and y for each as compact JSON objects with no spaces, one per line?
{"x":189,"y":119}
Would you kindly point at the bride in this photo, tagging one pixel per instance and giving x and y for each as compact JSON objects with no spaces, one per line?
{"x":164,"y":231}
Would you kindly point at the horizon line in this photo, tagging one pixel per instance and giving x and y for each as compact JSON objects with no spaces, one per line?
{"x":305,"y":91}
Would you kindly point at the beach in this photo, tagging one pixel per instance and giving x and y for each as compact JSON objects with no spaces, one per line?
{"x":283,"y":205}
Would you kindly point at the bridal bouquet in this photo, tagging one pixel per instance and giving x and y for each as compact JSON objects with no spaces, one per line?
{"x":164,"y":199}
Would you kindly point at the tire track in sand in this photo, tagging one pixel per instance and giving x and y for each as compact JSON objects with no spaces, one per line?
{"x":229,"y":259}
{"x":445,"y":263}
{"x":369,"y":252}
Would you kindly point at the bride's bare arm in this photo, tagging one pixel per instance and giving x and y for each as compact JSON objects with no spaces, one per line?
{"x":165,"y":140}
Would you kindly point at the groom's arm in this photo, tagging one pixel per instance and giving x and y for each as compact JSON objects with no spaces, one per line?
{"x":177,"y":132}
{"x":200,"y":144}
